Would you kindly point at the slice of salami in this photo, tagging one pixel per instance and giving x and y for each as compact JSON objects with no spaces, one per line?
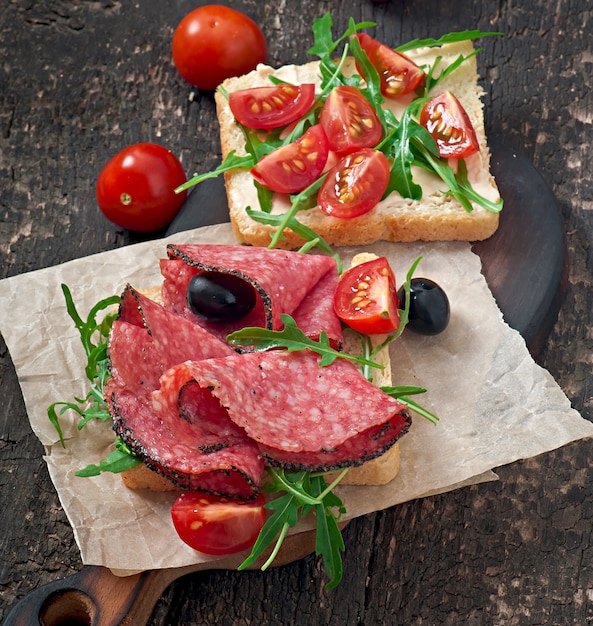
{"x":295,"y":409}
{"x":282,"y":279}
{"x":176,"y":338}
{"x":230,"y":466}
{"x":316,"y":312}
{"x":366,"y":445}
{"x":134,"y":361}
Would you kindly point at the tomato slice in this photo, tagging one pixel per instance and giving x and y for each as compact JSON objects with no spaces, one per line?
{"x":214,"y":525}
{"x":292,"y":168}
{"x":449,"y":125}
{"x":399,"y":74}
{"x":264,"y":108}
{"x":349,"y":120}
{"x":366,"y":298}
{"x":355,"y":185}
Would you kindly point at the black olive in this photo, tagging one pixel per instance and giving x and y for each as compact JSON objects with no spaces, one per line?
{"x":429,"y":307}
{"x":220,"y":297}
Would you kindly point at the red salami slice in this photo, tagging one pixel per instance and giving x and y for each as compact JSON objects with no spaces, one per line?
{"x":316,"y":312}
{"x":290,"y":406}
{"x":133,"y":360}
{"x":228,"y":465}
{"x":282,"y":279}
{"x":176,"y":338}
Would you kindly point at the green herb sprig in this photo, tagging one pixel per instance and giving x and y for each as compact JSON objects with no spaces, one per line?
{"x":93,"y":335}
{"x":303,"y":493}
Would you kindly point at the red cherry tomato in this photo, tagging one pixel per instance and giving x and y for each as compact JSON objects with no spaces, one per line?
{"x":449,"y":125}
{"x":271,"y":107}
{"x":136,"y":188}
{"x":216,"y":526}
{"x":399,"y":74}
{"x":215,"y":42}
{"x":366,"y":298}
{"x":355,"y":185}
{"x":292,"y":168}
{"x":349,"y":121}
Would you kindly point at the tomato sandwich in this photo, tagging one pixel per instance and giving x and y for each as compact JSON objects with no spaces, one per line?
{"x":377,"y":145}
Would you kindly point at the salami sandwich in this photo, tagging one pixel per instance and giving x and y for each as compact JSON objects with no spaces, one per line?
{"x":204,"y":414}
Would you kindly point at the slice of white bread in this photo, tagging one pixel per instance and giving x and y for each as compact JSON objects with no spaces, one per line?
{"x":437,"y":217}
{"x":378,"y":471}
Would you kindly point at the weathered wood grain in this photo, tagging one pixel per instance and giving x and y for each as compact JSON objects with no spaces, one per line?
{"x":79,"y":79}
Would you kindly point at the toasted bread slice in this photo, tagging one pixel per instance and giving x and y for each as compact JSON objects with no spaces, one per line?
{"x":436,"y":217}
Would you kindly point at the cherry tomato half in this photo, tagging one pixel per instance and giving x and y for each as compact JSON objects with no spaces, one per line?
{"x":215,"y":42}
{"x":349,"y":121}
{"x":399,"y":74}
{"x":214,"y":525}
{"x":355,"y":185}
{"x":136,"y":188}
{"x":449,"y":125}
{"x":271,"y":107}
{"x":292,"y":168}
{"x":366,"y":298}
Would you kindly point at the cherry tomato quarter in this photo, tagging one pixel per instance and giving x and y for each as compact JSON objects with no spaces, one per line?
{"x":217,"y":526}
{"x":136,"y":188}
{"x":215,"y":42}
{"x":264,"y":108}
{"x":355,"y":185}
{"x":399,"y":75}
{"x":350,"y":121}
{"x":295,"y":166}
{"x":366,"y":298}
{"x":450,"y":126}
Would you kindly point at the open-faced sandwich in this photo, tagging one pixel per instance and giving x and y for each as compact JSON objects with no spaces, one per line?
{"x":253,"y":377}
{"x":378,"y":144}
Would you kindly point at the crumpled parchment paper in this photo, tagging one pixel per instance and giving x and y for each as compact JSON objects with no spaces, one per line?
{"x":495,"y":404}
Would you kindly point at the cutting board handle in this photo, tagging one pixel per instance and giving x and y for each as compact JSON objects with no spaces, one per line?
{"x":97,"y":597}
{"x":94,"y":597}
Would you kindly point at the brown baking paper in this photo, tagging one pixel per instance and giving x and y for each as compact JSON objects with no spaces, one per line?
{"x":495,"y":404}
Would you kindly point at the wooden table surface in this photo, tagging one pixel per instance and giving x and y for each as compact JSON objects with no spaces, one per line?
{"x":81,"y":79}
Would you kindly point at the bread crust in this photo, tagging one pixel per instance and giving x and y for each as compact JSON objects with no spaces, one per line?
{"x":437,"y":217}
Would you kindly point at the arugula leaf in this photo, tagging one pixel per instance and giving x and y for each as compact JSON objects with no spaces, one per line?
{"x":431,"y":81}
{"x":232,"y":162}
{"x":303,"y":492}
{"x":458,"y":183}
{"x":120,"y":460}
{"x":398,"y":147}
{"x":287,"y":220}
{"x":464,"y":35}
{"x":402,"y":392}
{"x":93,"y":336}
{"x":292,"y":338}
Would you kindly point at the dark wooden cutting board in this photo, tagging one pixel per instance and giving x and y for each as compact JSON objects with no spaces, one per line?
{"x":525,"y":266}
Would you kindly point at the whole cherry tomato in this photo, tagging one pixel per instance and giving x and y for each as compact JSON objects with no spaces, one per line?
{"x":217,"y":526}
{"x":136,"y":188}
{"x":215,"y":42}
